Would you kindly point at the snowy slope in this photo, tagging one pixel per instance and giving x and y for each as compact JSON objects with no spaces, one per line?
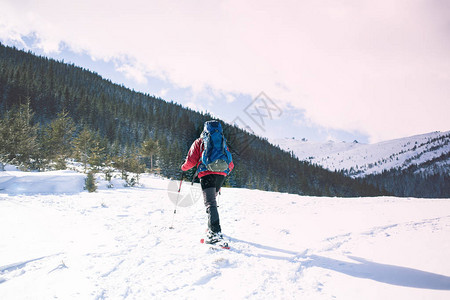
{"x":116,"y":244}
{"x":362,"y":159}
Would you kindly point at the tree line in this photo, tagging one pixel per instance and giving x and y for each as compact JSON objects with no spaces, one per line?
{"x":418,"y":180}
{"x":63,"y":111}
{"x":32,"y":146}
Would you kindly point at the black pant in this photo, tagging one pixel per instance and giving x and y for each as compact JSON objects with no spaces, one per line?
{"x":211,"y":185}
{"x":212,"y":180}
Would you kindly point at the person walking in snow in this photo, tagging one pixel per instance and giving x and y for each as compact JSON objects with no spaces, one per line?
{"x":214,"y":162}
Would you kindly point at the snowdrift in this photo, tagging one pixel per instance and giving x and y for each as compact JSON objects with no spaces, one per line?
{"x":53,"y":182}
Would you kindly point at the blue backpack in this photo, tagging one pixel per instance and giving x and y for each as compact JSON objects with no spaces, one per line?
{"x":215,"y":156}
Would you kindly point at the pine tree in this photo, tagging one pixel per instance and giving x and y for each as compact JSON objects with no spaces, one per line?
{"x":19,"y":138}
{"x":98,"y":154}
{"x":120,"y":162}
{"x":149,"y":148}
{"x":58,"y":138}
{"x":89,"y":150}
{"x":135,"y":165}
{"x":90,"y":185}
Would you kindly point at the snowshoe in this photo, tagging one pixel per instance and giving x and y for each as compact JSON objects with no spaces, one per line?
{"x":215,"y":239}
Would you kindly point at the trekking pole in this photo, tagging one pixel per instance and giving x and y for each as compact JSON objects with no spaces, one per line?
{"x":195,"y":176}
{"x":176,"y":203}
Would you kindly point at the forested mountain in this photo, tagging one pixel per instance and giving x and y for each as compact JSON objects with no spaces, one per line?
{"x":358,"y":159}
{"x":416,"y":166}
{"x":115,"y":121}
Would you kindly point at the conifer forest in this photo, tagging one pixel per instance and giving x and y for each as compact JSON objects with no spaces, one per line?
{"x":52,"y":112}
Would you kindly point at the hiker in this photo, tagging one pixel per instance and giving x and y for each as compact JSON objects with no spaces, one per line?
{"x":213,"y":160}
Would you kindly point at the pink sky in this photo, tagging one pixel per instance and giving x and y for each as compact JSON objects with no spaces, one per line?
{"x":380,"y":67}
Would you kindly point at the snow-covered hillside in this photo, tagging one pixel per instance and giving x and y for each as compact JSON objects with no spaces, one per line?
{"x":116,"y":244}
{"x":430,"y":151}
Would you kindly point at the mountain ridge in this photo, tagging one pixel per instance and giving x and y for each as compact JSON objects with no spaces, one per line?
{"x":429,"y":151}
{"x":122,"y":119}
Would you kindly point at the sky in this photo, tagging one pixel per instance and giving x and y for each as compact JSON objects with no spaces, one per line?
{"x":326,"y":69}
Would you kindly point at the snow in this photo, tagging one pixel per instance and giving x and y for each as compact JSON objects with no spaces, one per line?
{"x":116,"y":244}
{"x":52,"y":182}
{"x":366,"y":159}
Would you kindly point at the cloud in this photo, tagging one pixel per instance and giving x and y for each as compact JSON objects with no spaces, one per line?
{"x":133,"y":72}
{"x":162,"y":93}
{"x":379,"y":67}
{"x":195,"y":106}
{"x":230,"y":98}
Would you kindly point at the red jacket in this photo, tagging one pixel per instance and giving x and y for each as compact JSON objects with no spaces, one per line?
{"x":194,"y":156}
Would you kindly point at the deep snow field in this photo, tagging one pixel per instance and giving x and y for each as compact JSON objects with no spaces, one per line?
{"x":116,"y":244}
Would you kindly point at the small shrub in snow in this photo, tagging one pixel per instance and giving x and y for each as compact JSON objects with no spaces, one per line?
{"x":90,"y":183}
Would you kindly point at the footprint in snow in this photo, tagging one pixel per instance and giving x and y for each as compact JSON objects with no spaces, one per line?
{"x":223,"y":263}
{"x":207,"y":278}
